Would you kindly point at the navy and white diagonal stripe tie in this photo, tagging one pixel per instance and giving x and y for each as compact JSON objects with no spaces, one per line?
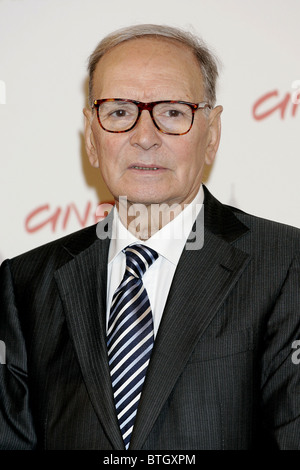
{"x":130,"y":337}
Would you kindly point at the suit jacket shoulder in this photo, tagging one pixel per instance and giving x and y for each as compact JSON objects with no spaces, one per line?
{"x":231,"y":223}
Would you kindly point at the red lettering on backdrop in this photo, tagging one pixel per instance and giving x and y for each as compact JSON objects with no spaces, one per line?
{"x":295,"y":105}
{"x":265,"y":106}
{"x":82,"y":221}
{"x":52,"y":219}
{"x":59,"y":217}
{"x":280,"y":106}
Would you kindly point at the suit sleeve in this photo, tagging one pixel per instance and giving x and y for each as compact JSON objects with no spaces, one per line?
{"x":281,"y":373}
{"x":16,"y":423}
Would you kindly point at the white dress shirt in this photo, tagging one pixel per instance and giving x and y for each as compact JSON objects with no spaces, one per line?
{"x":167,"y":242}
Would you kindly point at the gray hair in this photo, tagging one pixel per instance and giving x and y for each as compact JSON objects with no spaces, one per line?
{"x":206,"y":59}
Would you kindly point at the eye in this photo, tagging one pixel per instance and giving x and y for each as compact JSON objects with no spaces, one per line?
{"x":173,"y":113}
{"x":119,"y":113}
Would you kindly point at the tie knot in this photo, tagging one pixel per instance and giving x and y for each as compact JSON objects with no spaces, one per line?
{"x":138,"y":259}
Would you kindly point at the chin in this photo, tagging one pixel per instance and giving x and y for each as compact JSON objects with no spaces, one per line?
{"x":145,"y":199}
{"x":137,"y":194}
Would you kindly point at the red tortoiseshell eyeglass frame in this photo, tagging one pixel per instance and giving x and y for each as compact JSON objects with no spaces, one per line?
{"x":149,"y":107}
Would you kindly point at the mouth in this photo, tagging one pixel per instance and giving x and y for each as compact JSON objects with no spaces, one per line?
{"x":147,"y":168}
{"x":141,"y":167}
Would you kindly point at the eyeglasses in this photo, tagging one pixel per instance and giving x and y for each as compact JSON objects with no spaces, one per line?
{"x":170,"y":117}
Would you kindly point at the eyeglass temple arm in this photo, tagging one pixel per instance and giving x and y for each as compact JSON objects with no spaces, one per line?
{"x":204,"y":104}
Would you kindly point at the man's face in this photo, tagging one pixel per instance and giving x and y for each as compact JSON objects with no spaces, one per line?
{"x":151,"y":70}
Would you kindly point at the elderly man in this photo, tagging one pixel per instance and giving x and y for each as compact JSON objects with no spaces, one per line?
{"x":135,"y":334}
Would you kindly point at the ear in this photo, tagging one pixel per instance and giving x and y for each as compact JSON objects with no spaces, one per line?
{"x":89,"y":138}
{"x":214,"y":134}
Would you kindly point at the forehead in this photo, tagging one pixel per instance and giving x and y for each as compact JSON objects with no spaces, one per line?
{"x":149,"y":66}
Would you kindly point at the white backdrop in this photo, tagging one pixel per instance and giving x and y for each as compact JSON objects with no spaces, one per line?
{"x":47,"y":188}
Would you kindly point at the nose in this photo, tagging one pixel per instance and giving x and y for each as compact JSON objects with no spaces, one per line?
{"x":145,"y":134}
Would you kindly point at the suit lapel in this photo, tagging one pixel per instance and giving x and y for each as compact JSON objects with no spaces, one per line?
{"x":202,"y":281}
{"x":82,"y":284}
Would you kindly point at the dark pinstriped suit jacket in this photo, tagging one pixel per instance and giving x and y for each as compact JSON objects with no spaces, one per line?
{"x":221,"y":375}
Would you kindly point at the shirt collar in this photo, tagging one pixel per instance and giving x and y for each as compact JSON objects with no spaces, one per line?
{"x":177,"y":230}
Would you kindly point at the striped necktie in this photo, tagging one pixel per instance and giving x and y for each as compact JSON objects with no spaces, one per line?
{"x":130,"y":337}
